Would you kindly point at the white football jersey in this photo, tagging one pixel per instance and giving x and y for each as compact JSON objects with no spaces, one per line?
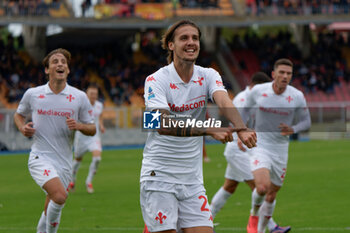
{"x":81,"y":138}
{"x":272,"y":110}
{"x":49,"y":112}
{"x":239,"y":103}
{"x":169,"y":158}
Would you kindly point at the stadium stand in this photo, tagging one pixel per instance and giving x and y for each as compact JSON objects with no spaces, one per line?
{"x":117,"y":69}
{"x":120,"y":66}
{"x":163,"y":9}
{"x":296,"y":7}
{"x":322,"y":79}
{"x":323,"y":75}
{"x":160,"y":10}
{"x":51,"y":8}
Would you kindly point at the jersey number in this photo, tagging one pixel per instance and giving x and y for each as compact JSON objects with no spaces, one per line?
{"x":203,"y":208}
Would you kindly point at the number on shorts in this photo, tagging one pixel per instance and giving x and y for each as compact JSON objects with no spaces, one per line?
{"x":203,"y":208}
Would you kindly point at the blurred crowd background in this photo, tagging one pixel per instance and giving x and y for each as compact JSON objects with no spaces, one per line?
{"x":120,"y":69}
{"x":119,"y":60}
{"x":116,"y":44}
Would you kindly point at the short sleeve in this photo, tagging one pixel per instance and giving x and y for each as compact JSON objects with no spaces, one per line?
{"x":86,"y":112}
{"x":155,"y":94}
{"x":250,"y":101}
{"x":302,"y":101}
{"x":24,"y":107}
{"x":239,"y":100}
{"x":214,"y":82}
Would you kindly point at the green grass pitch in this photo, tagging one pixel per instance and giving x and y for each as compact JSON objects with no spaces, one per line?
{"x":315,"y":196}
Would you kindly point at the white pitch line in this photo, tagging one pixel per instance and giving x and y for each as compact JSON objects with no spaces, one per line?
{"x":218,"y":229}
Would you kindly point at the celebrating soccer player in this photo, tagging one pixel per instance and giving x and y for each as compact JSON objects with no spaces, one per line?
{"x":172,"y":193}
{"x":238,"y":162}
{"x":57,"y":110}
{"x":281,"y":110}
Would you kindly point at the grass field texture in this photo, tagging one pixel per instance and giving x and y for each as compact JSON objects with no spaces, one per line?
{"x":314,"y":198}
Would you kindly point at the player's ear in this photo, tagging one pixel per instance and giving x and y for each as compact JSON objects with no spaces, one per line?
{"x":46,"y":70}
{"x":273,"y":74}
{"x":171,"y":45}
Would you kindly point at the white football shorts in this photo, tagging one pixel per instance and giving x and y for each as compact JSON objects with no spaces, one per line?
{"x":238,"y":163}
{"x":272,"y":157}
{"x":43,"y":170}
{"x":85,"y":144}
{"x":167,"y":206}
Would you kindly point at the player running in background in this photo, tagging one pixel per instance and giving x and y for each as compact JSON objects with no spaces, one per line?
{"x":238,"y":161}
{"x":83,"y":144}
{"x":281,"y":110}
{"x":172,"y":194}
{"x":57,"y":110}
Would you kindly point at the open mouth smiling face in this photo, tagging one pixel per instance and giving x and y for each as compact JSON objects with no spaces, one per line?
{"x":58,"y":67}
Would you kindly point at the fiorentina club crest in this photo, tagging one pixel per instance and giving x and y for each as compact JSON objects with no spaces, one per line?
{"x":160,"y":217}
{"x":70,"y":98}
{"x":289,"y":99}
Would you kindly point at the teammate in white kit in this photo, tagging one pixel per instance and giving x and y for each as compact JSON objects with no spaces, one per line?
{"x":281,"y":110}
{"x":83,"y":144}
{"x":237,"y":155}
{"x":238,"y":161}
{"x":172,"y":194}
{"x":57,"y":110}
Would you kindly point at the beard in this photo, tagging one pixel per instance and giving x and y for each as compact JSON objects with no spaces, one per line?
{"x":190,"y":60}
{"x":187,"y":60}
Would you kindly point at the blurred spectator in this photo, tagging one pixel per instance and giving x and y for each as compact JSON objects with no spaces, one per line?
{"x":320,"y":71}
{"x":29,"y":7}
{"x":85,"y":6}
{"x":121,"y":72}
{"x":294,"y":7}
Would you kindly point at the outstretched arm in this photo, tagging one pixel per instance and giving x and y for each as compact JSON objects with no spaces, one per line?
{"x":231,"y":113}
{"x":221,"y":134}
{"x":228,"y":109}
